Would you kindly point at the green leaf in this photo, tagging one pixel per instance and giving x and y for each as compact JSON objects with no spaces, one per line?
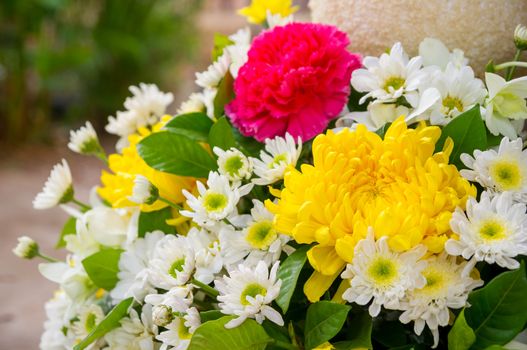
{"x":176,"y":154}
{"x":195,"y":126}
{"x":324,"y":320}
{"x":70,"y":228}
{"x":102,"y":267}
{"x":288,"y":272}
{"x":468,"y":133}
{"x":220,"y":42}
{"x":221,"y":135}
{"x":224,"y":95}
{"x":213,"y":335}
{"x":461,"y":336}
{"x":210,"y":315}
{"x":111,"y":321}
{"x":497,"y":313}
{"x":359,"y":331}
{"x":155,"y":220}
{"x":248,"y":145}
{"x":382,"y":130}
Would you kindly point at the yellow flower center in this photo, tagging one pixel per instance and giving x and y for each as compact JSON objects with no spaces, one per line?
{"x":233,"y":165}
{"x":383,"y":271}
{"x":214,"y":202}
{"x":182,"y":331}
{"x":506,"y":174}
{"x":252,"y":290}
{"x":278,"y":160}
{"x":261,"y":234}
{"x":393,"y":84}
{"x":491,"y":230}
{"x":177,"y":266}
{"x":450,"y":103}
{"x":436,"y":281}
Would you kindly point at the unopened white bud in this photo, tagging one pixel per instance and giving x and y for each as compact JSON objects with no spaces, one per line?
{"x":26,"y":248}
{"x":520,"y":37}
{"x":144,"y":192}
{"x":162,"y":315}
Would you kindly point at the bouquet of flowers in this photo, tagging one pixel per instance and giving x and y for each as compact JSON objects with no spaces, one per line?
{"x":305,"y":198}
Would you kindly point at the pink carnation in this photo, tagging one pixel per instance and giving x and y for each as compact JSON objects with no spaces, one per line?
{"x":296,"y":79}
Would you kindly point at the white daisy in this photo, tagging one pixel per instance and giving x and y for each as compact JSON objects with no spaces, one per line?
{"x":176,"y":299}
{"x":506,"y":108}
{"x":279,"y":154}
{"x":207,"y":98}
{"x":180,"y":330}
{"x":26,"y":248}
{"x":381,"y":275}
{"x":135,"y":333}
{"x":84,"y":140}
{"x":143,"y":192}
{"x":258,"y":241}
{"x":447,"y":286}
{"x":504,"y":170}
{"x":58,"y":189}
{"x":389,"y":77}
{"x":133,"y":268}
{"x":172,"y":262}
{"x":276,"y":20}
{"x":247,"y":293}
{"x":238,"y":51}
{"x":233,"y":164}
{"x":89,"y":316}
{"x":215,"y":72}
{"x":193,"y":104}
{"x":108,"y":226}
{"x":207,"y":258}
{"x":492,"y":230}
{"x":215,"y":203}
{"x":435,"y":53}
{"x":82,"y":243}
{"x":57,"y":333}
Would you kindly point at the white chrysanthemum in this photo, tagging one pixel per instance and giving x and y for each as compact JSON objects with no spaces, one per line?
{"x":82,"y":243}
{"x":207,"y":98}
{"x":177,"y":299}
{"x":26,"y":248}
{"x":238,"y":51}
{"x":58,"y":189}
{"x":143,"y":191}
{"x":172,"y":263}
{"x":279,"y":154}
{"x":447,"y":286}
{"x":381,"y":275}
{"x":435,"y":53}
{"x":460,"y":91}
{"x":247,"y":293}
{"x":258,"y":241}
{"x":233,"y":164}
{"x":193,"y":104}
{"x":492,"y":230}
{"x":504,"y":170}
{"x":520,"y":37}
{"x":390,"y":76}
{"x":57,"y":334}
{"x":215,"y":72}
{"x":89,"y":316}
{"x":108,"y":226}
{"x":135,"y":333}
{"x":215,"y":203}
{"x":207,"y":258}
{"x":84,"y":140}
{"x":133,"y":268}
{"x":180,"y":330}
{"x":276,"y":20}
{"x":506,"y":108}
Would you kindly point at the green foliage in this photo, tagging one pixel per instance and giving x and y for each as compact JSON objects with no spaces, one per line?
{"x":323,"y":321}
{"x":220,"y":42}
{"x":176,"y":154}
{"x":214,"y":335}
{"x":111,"y":321}
{"x":221,"y":135}
{"x":497,"y":312}
{"x":468,"y":133}
{"x":382,"y":130}
{"x":155,"y":220}
{"x":192,"y":125}
{"x":359,"y":330}
{"x":68,"y":229}
{"x":225,"y":94}
{"x":289,"y":272}
{"x":102,"y":268}
{"x":461,"y":336}
{"x":210,"y":315}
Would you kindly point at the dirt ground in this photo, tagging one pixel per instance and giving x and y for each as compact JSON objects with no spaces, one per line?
{"x":23,"y":291}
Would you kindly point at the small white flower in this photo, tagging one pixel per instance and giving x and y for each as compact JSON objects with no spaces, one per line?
{"x":506,"y":108}
{"x":447,"y":286}
{"x":72,"y":278}
{"x":435,"y":53}
{"x":108,"y":226}
{"x":89,"y":317}
{"x":520,"y":37}
{"x":247,"y":293}
{"x":238,"y":51}
{"x":215,"y":72}
{"x":207,"y":258}
{"x":381,"y":275}
{"x":177,"y":299}
{"x":143,"y":192}
{"x":58,"y":189}
{"x":162,"y":315}
{"x":279,"y":154}
{"x":492,"y":230}
{"x":193,"y":104}
{"x":216,"y":203}
{"x":233,"y":164}
{"x":57,"y":334}
{"x":84,"y":140}
{"x":172,"y":263}
{"x":276,"y":20}
{"x":207,"y":98}
{"x":133,"y":268}
{"x":26,"y":248}
{"x":258,"y":241}
{"x":135,"y":333}
{"x":389,"y":77}
{"x":504,"y":170}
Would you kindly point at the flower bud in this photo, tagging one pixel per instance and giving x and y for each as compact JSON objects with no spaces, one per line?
{"x":144,"y":192}
{"x":520,"y":37}
{"x":26,"y":248}
{"x":162,"y":315}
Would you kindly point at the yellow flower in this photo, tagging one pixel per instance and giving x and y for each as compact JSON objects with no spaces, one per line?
{"x":256,"y":12}
{"x":118,"y":184}
{"x":397,"y":185}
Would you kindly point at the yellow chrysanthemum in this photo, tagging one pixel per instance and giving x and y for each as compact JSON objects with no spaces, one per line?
{"x":118,"y":185}
{"x":256,"y":12}
{"x":397,"y":185}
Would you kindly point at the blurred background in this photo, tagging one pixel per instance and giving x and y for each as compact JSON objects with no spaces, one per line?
{"x":63,"y":62}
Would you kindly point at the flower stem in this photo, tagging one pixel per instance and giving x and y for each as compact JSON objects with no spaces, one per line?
{"x":102,"y":156}
{"x":47,"y":258}
{"x":511,"y":64}
{"x":205,"y":288}
{"x":80,"y":204}
{"x":510,"y":71}
{"x":172,"y":204}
